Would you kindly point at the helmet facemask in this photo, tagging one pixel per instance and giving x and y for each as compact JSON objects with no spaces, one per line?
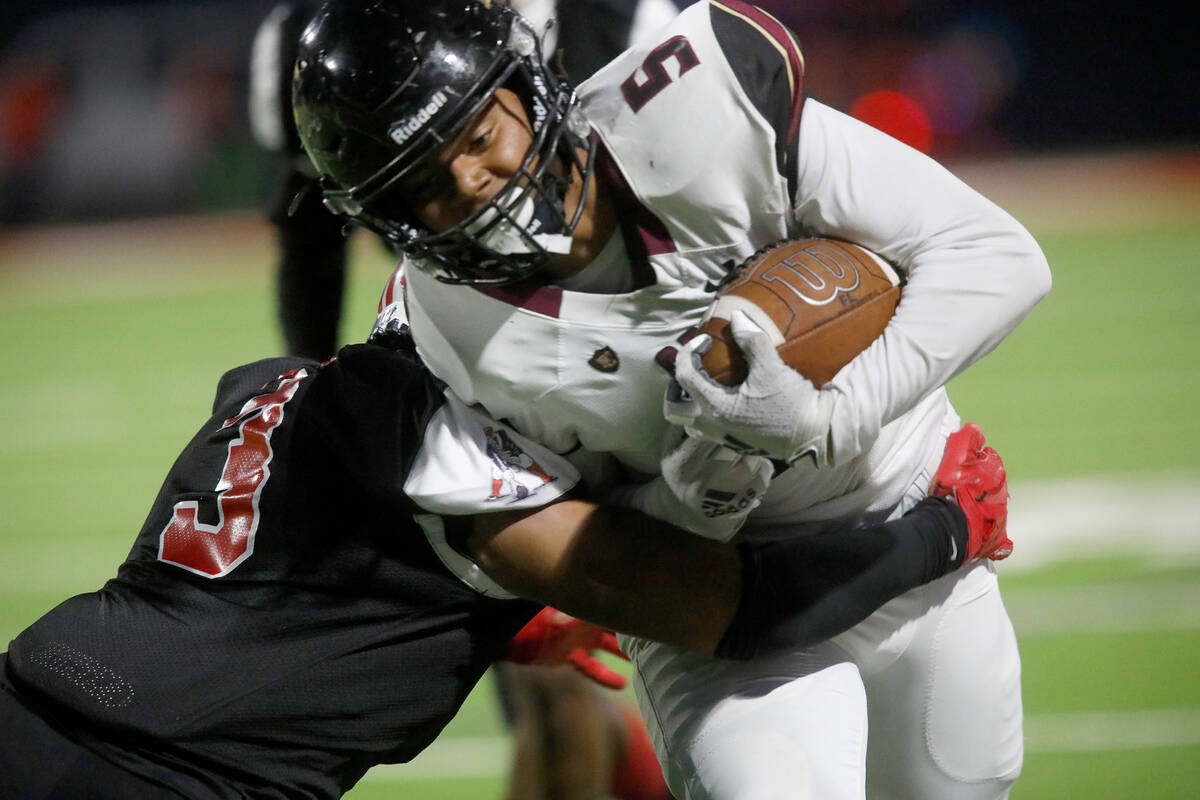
{"x":517,"y":231}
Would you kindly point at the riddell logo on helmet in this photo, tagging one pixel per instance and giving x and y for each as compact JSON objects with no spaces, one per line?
{"x":401,"y":131}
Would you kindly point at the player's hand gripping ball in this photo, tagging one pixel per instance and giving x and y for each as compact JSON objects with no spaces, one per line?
{"x":782,"y":326}
{"x":821,"y":302}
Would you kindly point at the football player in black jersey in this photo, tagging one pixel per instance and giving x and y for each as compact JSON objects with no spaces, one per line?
{"x":306,"y":600}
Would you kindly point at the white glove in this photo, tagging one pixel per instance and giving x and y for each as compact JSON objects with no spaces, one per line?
{"x":705,"y":488}
{"x":775,"y":412}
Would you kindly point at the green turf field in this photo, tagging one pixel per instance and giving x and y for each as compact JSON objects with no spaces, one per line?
{"x":113,"y":338}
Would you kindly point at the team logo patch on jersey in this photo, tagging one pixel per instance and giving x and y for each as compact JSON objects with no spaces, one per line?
{"x":605,"y":359}
{"x":515,"y":475}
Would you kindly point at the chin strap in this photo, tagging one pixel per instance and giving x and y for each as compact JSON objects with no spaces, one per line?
{"x":529,"y":220}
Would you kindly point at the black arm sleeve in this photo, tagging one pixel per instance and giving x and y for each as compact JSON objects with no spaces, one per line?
{"x":802,"y":591}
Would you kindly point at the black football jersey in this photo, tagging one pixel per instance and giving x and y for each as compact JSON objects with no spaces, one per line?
{"x":292,"y":611}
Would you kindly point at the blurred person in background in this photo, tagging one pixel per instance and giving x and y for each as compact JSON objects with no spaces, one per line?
{"x":572,"y":742}
{"x":30,"y":100}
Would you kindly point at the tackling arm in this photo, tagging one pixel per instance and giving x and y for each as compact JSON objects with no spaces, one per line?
{"x":615,"y":567}
{"x":628,"y":572}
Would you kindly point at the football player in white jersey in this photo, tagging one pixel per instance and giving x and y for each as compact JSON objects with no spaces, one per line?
{"x":558,"y":242}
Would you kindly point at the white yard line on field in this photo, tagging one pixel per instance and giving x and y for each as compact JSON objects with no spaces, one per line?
{"x":1082,"y":518}
{"x":1112,"y":730}
{"x":488,"y":756}
{"x":1108,"y":609}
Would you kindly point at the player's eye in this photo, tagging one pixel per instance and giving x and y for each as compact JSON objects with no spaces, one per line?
{"x":482,"y":138}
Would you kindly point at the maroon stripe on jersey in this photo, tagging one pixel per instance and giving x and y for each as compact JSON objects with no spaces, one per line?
{"x":644,"y":232}
{"x":545,"y":300}
{"x":781,"y":36}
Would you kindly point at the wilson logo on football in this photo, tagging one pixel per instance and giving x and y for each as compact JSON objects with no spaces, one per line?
{"x":815,"y":274}
{"x":787,"y":289}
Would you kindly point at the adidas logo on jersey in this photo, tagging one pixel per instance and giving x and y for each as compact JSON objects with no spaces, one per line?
{"x":717,"y":503}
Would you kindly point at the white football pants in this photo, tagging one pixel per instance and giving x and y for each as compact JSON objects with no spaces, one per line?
{"x":936,"y":671}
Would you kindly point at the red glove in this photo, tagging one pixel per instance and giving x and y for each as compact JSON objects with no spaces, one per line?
{"x":553,"y":638}
{"x":974,"y":476}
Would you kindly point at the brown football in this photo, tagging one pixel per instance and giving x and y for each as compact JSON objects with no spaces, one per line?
{"x":822,"y":302}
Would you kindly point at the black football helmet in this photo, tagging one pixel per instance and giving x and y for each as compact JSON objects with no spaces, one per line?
{"x":381,"y":85}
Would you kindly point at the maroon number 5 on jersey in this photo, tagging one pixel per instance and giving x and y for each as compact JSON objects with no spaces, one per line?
{"x":216,"y":550}
{"x":657,"y":77}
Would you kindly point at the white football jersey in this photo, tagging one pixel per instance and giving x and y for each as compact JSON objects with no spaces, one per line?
{"x":712,"y":151}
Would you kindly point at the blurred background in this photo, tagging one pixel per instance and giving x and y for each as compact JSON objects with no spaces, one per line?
{"x":137,"y":264}
{"x":134,"y":107}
